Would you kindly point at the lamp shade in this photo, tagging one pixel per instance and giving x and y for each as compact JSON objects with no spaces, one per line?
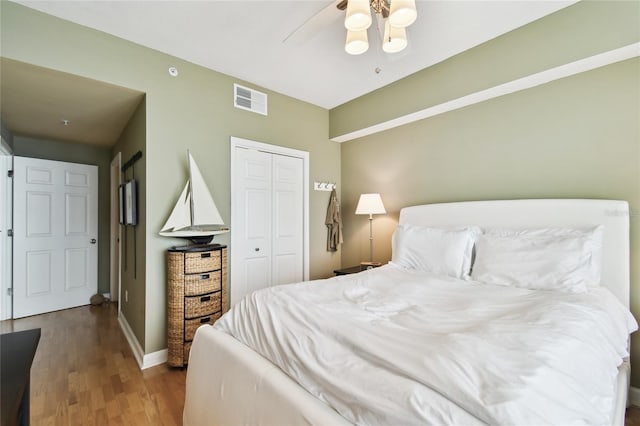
{"x":357,"y":42}
{"x":370,"y":204}
{"x":358,"y":15}
{"x":395,"y":38}
{"x":403,"y":13}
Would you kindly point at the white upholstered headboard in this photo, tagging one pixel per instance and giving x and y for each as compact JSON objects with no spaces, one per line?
{"x":613,"y":215}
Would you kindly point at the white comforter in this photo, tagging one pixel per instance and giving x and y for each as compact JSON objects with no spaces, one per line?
{"x":389,"y":346}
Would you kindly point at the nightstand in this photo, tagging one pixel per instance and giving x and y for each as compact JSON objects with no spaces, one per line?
{"x":197,"y":294}
{"x":354,"y":269}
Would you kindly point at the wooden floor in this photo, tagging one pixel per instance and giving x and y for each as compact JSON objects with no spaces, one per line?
{"x":633,"y":416}
{"x":84,"y":373}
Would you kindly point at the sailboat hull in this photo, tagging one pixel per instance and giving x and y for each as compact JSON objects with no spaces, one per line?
{"x":195,"y":236}
{"x":188,"y":233}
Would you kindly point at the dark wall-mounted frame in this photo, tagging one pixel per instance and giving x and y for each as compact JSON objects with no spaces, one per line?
{"x":129,"y":210}
{"x":121,"y":204}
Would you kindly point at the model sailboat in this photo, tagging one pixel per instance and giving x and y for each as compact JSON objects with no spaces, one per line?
{"x":195,"y":215}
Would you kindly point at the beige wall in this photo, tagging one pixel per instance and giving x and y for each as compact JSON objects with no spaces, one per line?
{"x":70,"y":152}
{"x":195,"y":111}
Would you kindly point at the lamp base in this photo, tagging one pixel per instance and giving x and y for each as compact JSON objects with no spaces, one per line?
{"x":369,"y":265}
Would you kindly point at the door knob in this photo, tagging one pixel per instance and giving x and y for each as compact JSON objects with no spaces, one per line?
{"x":257,"y":249}
{"x":93,"y":241}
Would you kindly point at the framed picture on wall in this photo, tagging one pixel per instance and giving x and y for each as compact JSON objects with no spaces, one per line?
{"x":121,"y":205}
{"x":130,"y":203}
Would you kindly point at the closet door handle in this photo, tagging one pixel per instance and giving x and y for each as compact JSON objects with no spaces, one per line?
{"x":257,"y":249}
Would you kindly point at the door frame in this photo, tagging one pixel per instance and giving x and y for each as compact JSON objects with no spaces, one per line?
{"x":115,"y":233}
{"x":235,"y":143}
{"x":6,"y":248}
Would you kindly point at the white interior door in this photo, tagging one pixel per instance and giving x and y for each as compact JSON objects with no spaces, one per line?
{"x":268,"y":220}
{"x":55,"y":235}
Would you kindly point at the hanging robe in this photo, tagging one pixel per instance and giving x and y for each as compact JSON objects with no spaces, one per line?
{"x":333,"y":222}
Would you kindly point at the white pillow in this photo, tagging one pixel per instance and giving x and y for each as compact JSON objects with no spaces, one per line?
{"x":439,"y":251}
{"x":541,"y":259}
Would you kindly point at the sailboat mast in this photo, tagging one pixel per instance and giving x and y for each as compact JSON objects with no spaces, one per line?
{"x":190,"y":187}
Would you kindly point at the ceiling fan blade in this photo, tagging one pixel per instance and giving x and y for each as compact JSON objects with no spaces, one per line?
{"x":316,"y":23}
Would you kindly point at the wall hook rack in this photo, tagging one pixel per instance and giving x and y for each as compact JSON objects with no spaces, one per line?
{"x":324,"y":186}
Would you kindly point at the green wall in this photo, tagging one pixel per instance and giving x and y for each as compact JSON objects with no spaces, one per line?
{"x":576,"y":32}
{"x":577,"y":137}
{"x":86,"y":154}
{"x":195,"y":111}
{"x":7,"y":135}
{"x":133,"y":242}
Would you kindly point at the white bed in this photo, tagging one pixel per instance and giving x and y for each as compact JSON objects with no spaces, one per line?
{"x":230,"y":384}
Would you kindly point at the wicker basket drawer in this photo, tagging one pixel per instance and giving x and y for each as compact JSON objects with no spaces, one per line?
{"x":186,"y":350}
{"x":201,"y":283}
{"x":201,"y":305}
{"x":201,"y":262}
{"x":190,"y":326}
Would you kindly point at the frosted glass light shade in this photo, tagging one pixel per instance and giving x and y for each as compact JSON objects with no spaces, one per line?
{"x":357,"y":42}
{"x":403,"y":13}
{"x":370,"y":204}
{"x":358,"y":16}
{"x":395,"y":39}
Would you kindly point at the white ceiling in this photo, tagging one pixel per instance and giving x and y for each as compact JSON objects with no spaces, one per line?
{"x":245,"y":38}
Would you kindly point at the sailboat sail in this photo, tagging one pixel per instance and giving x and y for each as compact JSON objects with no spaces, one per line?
{"x":180,"y":216}
{"x":204,"y":210}
{"x":195,"y":215}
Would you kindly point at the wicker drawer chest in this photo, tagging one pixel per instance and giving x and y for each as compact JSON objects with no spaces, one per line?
{"x":197,"y":294}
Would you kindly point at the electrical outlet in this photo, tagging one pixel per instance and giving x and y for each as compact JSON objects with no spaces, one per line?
{"x":126,"y":296}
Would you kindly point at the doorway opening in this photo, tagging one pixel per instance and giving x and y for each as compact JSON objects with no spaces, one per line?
{"x":6,"y":220}
{"x":115,"y":234}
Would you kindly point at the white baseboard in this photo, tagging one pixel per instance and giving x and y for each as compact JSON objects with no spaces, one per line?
{"x":144,"y":360}
{"x":154,"y":358}
{"x":634,"y":396}
{"x":138,"y":353}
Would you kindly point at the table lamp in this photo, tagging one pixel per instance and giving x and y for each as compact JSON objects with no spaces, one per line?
{"x":370,"y":204}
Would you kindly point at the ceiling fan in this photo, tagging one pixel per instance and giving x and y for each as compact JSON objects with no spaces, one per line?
{"x":393,"y":16}
{"x":316,"y":23}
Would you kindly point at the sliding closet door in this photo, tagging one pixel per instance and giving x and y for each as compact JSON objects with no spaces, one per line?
{"x":268,"y":221}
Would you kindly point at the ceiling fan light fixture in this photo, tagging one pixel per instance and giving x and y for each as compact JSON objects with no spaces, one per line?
{"x":403,"y":13}
{"x":395,"y":38}
{"x":358,"y":16}
{"x":357,"y":42}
